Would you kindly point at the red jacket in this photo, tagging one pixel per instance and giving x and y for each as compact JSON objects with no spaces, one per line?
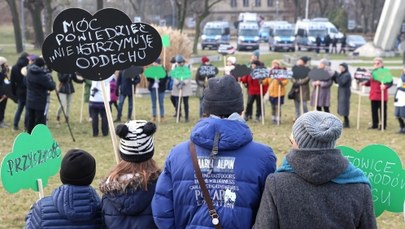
{"x":253,"y":85}
{"x":375,"y":90}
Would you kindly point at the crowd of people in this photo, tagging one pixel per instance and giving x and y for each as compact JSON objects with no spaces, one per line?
{"x":245,"y":188}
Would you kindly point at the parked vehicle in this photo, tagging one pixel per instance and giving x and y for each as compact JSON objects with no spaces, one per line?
{"x":248,"y":36}
{"x":264,"y":33}
{"x":214,"y":34}
{"x":330,"y":28}
{"x":354,"y":41}
{"x":282,"y":37}
{"x":306,"y":32}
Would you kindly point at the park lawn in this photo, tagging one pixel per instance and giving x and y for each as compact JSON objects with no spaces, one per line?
{"x":15,"y":206}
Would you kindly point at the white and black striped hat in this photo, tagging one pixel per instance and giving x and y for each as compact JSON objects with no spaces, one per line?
{"x":136,"y":144}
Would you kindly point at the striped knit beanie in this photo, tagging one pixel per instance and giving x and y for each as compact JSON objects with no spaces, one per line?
{"x":136,"y":144}
{"x":317,"y":129}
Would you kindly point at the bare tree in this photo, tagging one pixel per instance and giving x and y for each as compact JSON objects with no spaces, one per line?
{"x":100,"y":4}
{"x":35,"y":7}
{"x":16,"y":24}
{"x":139,"y":7}
{"x":48,"y":16}
{"x":202,"y":9}
{"x":181,"y":7}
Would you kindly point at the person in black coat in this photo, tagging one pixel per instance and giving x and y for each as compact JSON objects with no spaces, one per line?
{"x":66,"y":91}
{"x":3,"y":93}
{"x":124,"y":87}
{"x":38,"y":82}
{"x":343,"y":45}
{"x":327,"y":41}
{"x":334,"y":45}
{"x":160,"y":87}
{"x":318,"y":43}
{"x":344,"y":80}
{"x":19,"y":89}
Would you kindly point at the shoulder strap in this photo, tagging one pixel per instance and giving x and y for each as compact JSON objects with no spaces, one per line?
{"x":211,"y":210}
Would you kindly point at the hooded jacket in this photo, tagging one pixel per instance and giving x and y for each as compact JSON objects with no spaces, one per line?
{"x":126,"y":205}
{"x":235,"y":184}
{"x":69,"y":206}
{"x":314,"y":195}
{"x":66,"y":82}
{"x":38,"y":84}
{"x":17,"y":84}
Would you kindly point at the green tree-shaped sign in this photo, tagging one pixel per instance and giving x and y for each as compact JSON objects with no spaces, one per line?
{"x":155,"y":72}
{"x":181,"y":73}
{"x":384,"y":169}
{"x":35,"y":156}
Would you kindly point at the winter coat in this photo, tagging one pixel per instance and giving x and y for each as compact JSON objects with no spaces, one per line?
{"x":323,"y":91}
{"x":124,"y":85}
{"x":302,"y":84}
{"x":161,"y":85}
{"x":309,"y":197}
{"x":375,"y":90}
{"x":69,"y":206}
{"x":185,"y":85}
{"x":66,"y":82}
{"x":126,"y":205}
{"x":113,"y":90}
{"x":87,"y":86}
{"x":38,"y":84}
{"x":273,"y":86}
{"x":344,"y":80}
{"x":400,"y":94}
{"x":253,"y":85}
{"x":201,"y":79}
{"x":17,"y":79}
{"x":236,"y":183}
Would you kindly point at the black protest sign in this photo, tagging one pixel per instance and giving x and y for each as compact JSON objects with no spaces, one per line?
{"x":240,"y":70}
{"x":361,"y":75}
{"x":5,"y":89}
{"x":97,"y":45}
{"x":281,"y":74}
{"x":260,"y":73}
{"x":319,"y":74}
{"x":300,"y":72}
{"x":132,"y":72}
{"x":207,"y":70}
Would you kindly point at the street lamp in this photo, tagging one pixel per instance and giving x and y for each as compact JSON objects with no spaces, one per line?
{"x":277,"y":4}
{"x":306,"y":9}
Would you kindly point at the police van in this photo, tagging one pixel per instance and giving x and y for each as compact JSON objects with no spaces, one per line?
{"x":331,"y":28}
{"x":281,"y":36}
{"x":214,"y":34}
{"x":306,"y":32}
{"x":248,"y":36}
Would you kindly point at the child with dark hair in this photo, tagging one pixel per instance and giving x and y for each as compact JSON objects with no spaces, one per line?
{"x":75,"y":204}
{"x":130,"y":186}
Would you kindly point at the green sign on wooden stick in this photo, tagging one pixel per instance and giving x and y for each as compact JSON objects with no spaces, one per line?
{"x":35,"y":156}
{"x":384,"y":169}
{"x":166,"y":41}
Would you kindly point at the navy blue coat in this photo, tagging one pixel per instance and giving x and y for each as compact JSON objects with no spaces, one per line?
{"x":235,"y":185}
{"x":38,"y":84}
{"x":127,"y":206}
{"x":17,"y":84}
{"x":124,"y":85}
{"x":69,"y":206}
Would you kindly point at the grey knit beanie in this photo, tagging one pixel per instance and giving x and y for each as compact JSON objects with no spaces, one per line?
{"x":317,"y":129}
{"x":223,"y":96}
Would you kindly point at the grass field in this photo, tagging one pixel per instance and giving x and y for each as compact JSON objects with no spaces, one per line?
{"x":15,"y":206}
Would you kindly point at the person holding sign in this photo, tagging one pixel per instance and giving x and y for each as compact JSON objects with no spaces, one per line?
{"x":125,"y":85}
{"x":316,"y":186}
{"x":344,"y":80}
{"x":97,"y":107}
{"x":75,"y":204}
{"x":38,"y":82}
{"x":400,"y":102}
{"x":157,"y":88}
{"x":19,"y":89}
{"x":378,"y":89}
{"x":181,"y":88}
{"x":320,"y":97}
{"x":234,"y":166}
{"x":3,"y":96}
{"x":129,"y":188}
{"x":204,"y":72}
{"x":276,"y":91}
{"x":301,"y":85}
{"x":253,"y":87}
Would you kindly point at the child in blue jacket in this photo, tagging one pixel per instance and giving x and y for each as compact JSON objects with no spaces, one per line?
{"x":75,"y":204}
{"x":129,"y":188}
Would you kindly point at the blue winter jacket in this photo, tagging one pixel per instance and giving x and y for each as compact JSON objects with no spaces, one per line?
{"x":235,"y":185}
{"x":126,"y":205}
{"x":69,"y":206}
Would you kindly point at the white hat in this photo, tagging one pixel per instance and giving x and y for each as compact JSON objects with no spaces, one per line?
{"x":231,"y":59}
{"x":2,"y":60}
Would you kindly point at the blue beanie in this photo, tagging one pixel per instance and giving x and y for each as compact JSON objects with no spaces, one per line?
{"x":317,"y":129}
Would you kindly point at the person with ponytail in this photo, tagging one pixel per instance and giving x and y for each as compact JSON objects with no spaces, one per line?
{"x":130,"y":186}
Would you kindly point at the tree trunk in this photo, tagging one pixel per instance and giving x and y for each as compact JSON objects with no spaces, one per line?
{"x":35,"y":8}
{"x":100,"y":4}
{"x":181,"y":7}
{"x":16,"y":24}
{"x":48,"y":16}
{"x":197,"y":32}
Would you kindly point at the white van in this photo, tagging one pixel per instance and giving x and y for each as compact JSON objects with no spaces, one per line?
{"x":282,"y":37}
{"x":248,"y":36}
{"x":306,"y":32}
{"x":214,"y":34}
{"x":331,"y":28}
